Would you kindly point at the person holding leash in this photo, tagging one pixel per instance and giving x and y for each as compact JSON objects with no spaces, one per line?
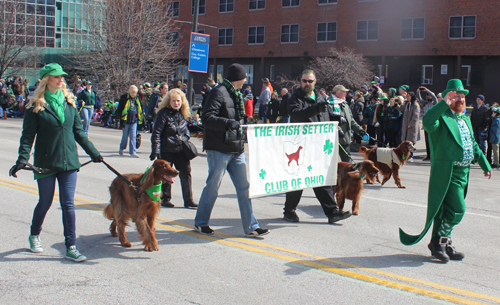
{"x":453,"y":149}
{"x":52,"y":118}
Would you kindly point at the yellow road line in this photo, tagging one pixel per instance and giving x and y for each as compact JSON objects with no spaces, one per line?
{"x":250,"y":245}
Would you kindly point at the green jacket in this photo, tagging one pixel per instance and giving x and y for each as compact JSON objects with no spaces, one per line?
{"x":55,"y":146}
{"x":87,"y":97}
{"x":446,"y":147}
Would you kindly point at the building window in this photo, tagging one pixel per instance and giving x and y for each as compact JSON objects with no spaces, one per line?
{"x":290,"y":3}
{"x":211,"y":71}
{"x":173,"y":9}
{"x":327,"y":1}
{"x":463,"y":27}
{"x":327,"y":31}
{"x":226,"y":6}
{"x":271,"y":73}
{"x":256,"y":4}
{"x":427,"y":74}
{"x":367,"y":30}
{"x":202,"y":9}
{"x":225,"y":37}
{"x":256,"y":35}
{"x":173,"y":39}
{"x":290,"y":33}
{"x":220,"y":71}
{"x":249,"y":69}
{"x":465,"y":75}
{"x":413,"y":28}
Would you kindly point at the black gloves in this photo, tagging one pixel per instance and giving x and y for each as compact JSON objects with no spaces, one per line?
{"x":14,"y":169}
{"x":232,"y":125}
{"x":340,"y":119}
{"x":362,"y":133}
{"x":154,"y":156}
{"x":322,"y":106}
{"x":98,"y":159}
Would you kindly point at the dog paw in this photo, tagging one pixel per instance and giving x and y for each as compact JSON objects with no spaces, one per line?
{"x":402,"y":187}
{"x":114,"y":234}
{"x":127,"y":244}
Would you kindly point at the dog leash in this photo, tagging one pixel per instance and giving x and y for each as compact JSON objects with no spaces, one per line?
{"x":128,"y":182}
{"x":31,"y":167}
{"x":378,"y":141}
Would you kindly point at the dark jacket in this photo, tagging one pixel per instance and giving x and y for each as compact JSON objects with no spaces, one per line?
{"x":357,"y":110}
{"x":284,"y":104}
{"x":4,"y":100}
{"x":392,"y":119}
{"x":169,"y":125}
{"x":154,"y":100}
{"x":479,"y":117}
{"x":87,"y":97}
{"x":218,"y":110}
{"x":273,"y":108}
{"x":55,"y":146}
{"x":302,"y":108}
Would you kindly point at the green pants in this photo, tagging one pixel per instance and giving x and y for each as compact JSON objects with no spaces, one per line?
{"x":452,"y":209}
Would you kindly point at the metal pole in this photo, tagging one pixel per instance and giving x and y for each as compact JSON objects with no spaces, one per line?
{"x":195,"y":29}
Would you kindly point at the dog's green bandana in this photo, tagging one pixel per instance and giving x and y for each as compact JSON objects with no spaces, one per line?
{"x":155,"y":190}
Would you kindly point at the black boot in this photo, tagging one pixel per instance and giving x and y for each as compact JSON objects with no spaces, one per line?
{"x":438,"y":248}
{"x":452,"y":253}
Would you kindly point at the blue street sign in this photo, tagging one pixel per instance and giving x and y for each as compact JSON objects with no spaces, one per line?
{"x":198,"y":52}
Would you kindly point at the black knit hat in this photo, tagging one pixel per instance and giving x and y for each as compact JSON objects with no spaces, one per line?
{"x":236,"y":72}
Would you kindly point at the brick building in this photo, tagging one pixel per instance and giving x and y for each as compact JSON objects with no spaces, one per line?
{"x":420,"y":42}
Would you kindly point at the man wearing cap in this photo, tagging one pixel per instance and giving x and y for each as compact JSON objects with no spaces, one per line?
{"x":264,"y":98}
{"x":480,"y":120}
{"x":223,"y":141}
{"x":453,"y":149}
{"x":341,"y":108}
{"x":285,"y":95}
{"x":307,"y":105}
{"x":87,"y":100}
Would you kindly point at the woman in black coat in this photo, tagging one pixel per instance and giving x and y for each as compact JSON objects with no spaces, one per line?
{"x":170,"y":126}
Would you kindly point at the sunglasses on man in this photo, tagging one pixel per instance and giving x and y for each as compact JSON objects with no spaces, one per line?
{"x":310,"y":81}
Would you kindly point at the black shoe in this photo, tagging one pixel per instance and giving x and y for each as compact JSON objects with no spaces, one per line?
{"x":338,"y":216}
{"x":494,"y":166}
{"x":204,"y":230}
{"x":438,"y":248}
{"x":167,"y":204}
{"x":290,"y":216}
{"x":426,"y":159}
{"x":190,"y":205}
{"x":452,"y":253}
{"x":258,"y":233}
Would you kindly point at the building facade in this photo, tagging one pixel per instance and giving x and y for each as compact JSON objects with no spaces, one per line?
{"x":423,"y":42}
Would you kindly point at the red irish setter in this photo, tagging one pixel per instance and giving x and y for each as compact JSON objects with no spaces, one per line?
{"x":125,"y":204}
{"x":294,"y":157}
{"x":389,"y":160}
{"x":350,"y":182}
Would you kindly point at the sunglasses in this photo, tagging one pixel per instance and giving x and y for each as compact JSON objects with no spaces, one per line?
{"x":310,"y":81}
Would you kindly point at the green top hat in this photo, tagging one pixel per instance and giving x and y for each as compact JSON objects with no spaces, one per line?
{"x":52,"y":69}
{"x":454,"y":85}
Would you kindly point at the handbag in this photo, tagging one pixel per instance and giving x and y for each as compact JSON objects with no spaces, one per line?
{"x":188,"y":148}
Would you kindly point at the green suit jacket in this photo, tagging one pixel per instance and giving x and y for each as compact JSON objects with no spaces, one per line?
{"x":55,"y":146}
{"x":446,"y":147}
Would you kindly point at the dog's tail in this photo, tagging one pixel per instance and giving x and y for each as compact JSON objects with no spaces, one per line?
{"x":109,"y":212}
{"x":363,"y":150}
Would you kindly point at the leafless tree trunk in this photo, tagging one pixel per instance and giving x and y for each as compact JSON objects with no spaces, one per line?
{"x":17,"y":38}
{"x":132,"y":42}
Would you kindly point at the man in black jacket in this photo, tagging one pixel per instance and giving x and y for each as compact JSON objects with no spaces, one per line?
{"x":305,"y":105}
{"x":284,"y":106}
{"x":479,"y":119}
{"x":223,"y":142}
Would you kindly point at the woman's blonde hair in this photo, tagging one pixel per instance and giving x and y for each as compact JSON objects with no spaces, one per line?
{"x":38,"y":100}
{"x":185,"y":111}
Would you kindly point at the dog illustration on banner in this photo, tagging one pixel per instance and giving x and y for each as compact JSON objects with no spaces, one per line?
{"x":293,"y":156}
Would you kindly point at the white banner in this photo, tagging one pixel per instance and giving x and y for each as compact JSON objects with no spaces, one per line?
{"x":288,"y":157}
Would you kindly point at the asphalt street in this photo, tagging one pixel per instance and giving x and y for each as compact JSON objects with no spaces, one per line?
{"x":357,"y":261}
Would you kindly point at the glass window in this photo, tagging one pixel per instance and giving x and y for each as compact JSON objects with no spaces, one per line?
{"x":413,"y":28}
{"x":427,"y":74}
{"x":220,"y":72}
{"x":367,"y":30}
{"x":462,"y":27}
{"x":173,"y":39}
{"x":249,"y":69}
{"x":290,"y":3}
{"x":290,"y":33}
{"x":256,"y":35}
{"x":327,"y":1}
{"x":327,"y":31}
{"x":256,"y":4}
{"x":202,"y":8}
{"x":225,"y":37}
{"x":173,"y":8}
{"x":226,"y":6}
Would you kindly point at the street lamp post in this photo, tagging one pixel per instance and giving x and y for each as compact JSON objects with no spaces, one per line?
{"x":195,"y":29}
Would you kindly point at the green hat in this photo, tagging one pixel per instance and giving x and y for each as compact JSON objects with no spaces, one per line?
{"x":454,"y":85}
{"x":88,"y":83}
{"x":384,"y":97}
{"x":157,"y":83}
{"x":376,"y":80}
{"x":404,"y":87}
{"x":52,"y":69}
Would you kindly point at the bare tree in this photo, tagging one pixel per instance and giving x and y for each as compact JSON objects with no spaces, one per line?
{"x":129,"y":42}
{"x":342,"y":67}
{"x":17,"y":38}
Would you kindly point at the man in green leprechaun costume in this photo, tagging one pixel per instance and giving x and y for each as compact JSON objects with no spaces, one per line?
{"x":453,"y":149}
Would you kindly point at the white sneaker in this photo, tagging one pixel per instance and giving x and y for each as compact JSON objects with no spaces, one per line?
{"x":120,"y":152}
{"x":134,"y":156}
{"x":410,"y":159}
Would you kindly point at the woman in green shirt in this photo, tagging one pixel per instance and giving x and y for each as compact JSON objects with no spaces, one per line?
{"x":52,"y":118}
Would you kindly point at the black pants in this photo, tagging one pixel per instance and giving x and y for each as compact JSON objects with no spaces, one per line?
{"x":392,"y":136}
{"x":345,"y":153}
{"x":324,"y":195}
{"x":427,"y":148}
{"x":372,"y":132}
{"x":183,"y":165}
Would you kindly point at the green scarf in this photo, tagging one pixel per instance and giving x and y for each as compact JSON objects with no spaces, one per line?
{"x":56,"y":102}
{"x":239,"y":105}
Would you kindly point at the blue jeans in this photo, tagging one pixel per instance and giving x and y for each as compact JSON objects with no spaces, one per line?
{"x":1,"y":112}
{"x":284,"y":119}
{"x":46,"y":188}
{"x":218,"y":163}
{"x":129,"y":131}
{"x":263,"y":113}
{"x":480,"y":140}
{"x":87,"y":117}
{"x":19,"y":97}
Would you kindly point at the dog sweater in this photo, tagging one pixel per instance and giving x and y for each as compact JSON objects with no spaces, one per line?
{"x":387,"y":156}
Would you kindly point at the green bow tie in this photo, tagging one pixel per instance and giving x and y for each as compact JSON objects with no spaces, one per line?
{"x":460,"y":116}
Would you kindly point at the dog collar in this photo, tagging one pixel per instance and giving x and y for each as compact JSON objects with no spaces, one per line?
{"x":355,"y":168}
